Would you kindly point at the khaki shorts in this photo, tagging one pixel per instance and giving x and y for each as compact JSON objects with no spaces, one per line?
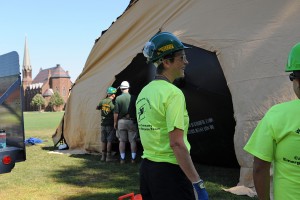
{"x":107,"y":134}
{"x":127,"y":130}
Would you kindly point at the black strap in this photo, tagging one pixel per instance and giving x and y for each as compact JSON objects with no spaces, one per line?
{"x":161,"y":77}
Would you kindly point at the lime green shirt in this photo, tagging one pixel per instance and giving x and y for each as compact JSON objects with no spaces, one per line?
{"x":161,"y":108}
{"x":277,"y":139}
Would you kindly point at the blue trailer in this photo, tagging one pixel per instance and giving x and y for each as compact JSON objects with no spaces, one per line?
{"x":12,"y":146}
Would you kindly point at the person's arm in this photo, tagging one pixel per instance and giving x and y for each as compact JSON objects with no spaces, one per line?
{"x":116,"y":114}
{"x":116,"y":120}
{"x":182,"y":155}
{"x":261,"y":177}
{"x":186,"y":164}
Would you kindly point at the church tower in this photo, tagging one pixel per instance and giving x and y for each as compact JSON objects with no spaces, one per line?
{"x":27,"y":70}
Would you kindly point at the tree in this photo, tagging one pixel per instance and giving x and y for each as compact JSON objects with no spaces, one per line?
{"x":38,"y":100}
{"x":56,"y":100}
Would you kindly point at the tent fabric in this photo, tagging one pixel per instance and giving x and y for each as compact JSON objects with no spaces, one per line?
{"x":250,"y":38}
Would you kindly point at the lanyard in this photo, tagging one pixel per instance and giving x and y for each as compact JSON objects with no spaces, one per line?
{"x":161,"y":77}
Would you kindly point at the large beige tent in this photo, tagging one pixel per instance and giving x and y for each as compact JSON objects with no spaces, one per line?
{"x":251,"y":40}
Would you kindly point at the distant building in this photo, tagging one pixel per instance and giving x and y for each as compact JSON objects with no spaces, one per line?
{"x":45,"y":83}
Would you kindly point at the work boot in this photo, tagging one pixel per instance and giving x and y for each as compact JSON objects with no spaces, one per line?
{"x":122,"y":161}
{"x":103,"y":156}
{"x":110,"y":158}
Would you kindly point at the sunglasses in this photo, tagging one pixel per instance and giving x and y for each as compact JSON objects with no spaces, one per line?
{"x":292,"y":77}
{"x":181,"y":56}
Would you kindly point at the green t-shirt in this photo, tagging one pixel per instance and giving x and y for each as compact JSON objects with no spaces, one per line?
{"x":160,"y":108}
{"x":107,"y":112}
{"x":277,"y":139}
{"x":122,"y":104}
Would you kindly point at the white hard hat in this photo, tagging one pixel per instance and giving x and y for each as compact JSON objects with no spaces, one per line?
{"x":124,"y":85}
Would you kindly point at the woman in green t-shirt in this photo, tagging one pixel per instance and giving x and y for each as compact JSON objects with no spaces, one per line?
{"x":167,"y":170}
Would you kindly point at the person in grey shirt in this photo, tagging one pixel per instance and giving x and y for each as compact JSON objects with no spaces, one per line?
{"x":124,"y":123}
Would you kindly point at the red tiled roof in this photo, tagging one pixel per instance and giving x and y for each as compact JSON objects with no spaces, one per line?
{"x":55,"y":72}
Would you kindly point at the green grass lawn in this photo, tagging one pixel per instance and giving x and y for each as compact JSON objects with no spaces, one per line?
{"x":83,"y":177}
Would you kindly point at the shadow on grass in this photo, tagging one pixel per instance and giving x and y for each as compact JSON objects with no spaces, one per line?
{"x":227,"y":177}
{"x":88,"y":196}
{"x":102,"y":180}
{"x":49,"y":148}
{"x":105,"y":181}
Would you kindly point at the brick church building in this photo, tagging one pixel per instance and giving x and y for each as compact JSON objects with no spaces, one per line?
{"x":46,"y":82}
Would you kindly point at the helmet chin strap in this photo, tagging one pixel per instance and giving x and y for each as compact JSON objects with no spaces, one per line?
{"x":157,"y":63}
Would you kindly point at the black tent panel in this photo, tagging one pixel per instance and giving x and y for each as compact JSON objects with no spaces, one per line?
{"x":204,"y":71}
{"x":210,"y":109}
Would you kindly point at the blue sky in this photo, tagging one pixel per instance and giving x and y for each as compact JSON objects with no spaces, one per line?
{"x":58,"y":31}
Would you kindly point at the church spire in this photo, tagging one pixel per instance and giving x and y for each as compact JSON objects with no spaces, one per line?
{"x":26,"y":59}
{"x":27,"y":70}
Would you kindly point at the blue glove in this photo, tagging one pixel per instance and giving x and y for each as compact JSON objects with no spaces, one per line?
{"x":200,"y":191}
